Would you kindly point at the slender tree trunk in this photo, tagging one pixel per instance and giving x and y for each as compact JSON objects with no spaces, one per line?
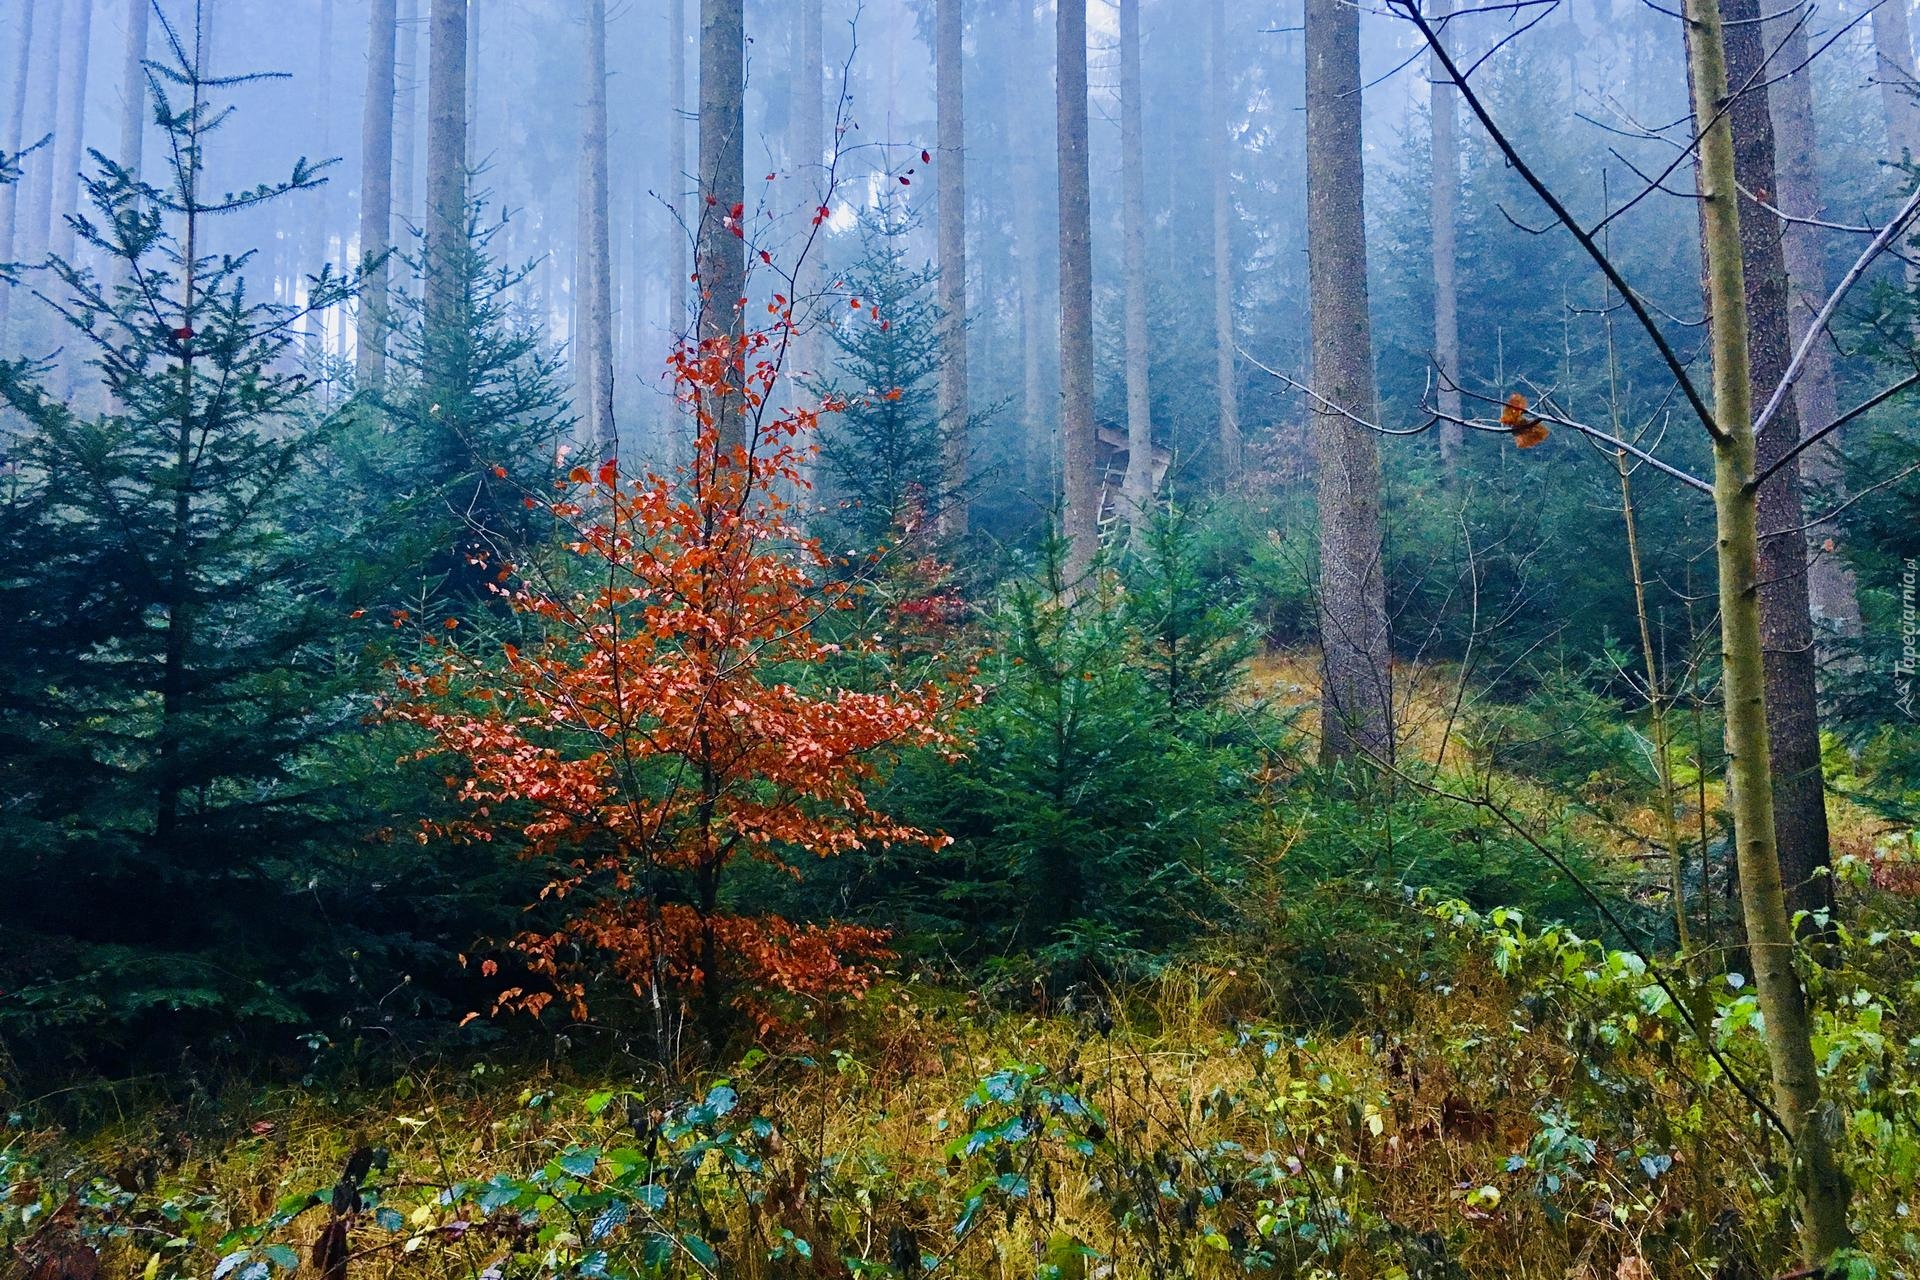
{"x":446,"y":224}
{"x":806,"y":112}
{"x":1821,"y":1191}
{"x":1226,"y":385}
{"x":1080,"y":517}
{"x":1356,"y":712}
{"x":473,"y":86}
{"x":677,"y":156}
{"x":721,"y":254}
{"x":1133,"y":230}
{"x":376,"y":192}
{"x":1793,"y":713}
{"x":133,"y":81}
{"x":1446,"y":289}
{"x":599,"y":246}
{"x":406,"y":117}
{"x":69,"y":132}
{"x":42,"y":179}
{"x":319,"y":229}
{"x":1830,"y":584}
{"x":1893,"y":71}
{"x":1029,"y":242}
{"x":951,"y":194}
{"x":13,"y":139}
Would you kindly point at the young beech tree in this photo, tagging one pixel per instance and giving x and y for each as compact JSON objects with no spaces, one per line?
{"x":670,"y":718}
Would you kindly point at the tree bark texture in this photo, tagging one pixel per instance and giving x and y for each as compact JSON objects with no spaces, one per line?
{"x":1226,"y":385}
{"x":376,"y":192}
{"x":1831,"y":590}
{"x":1356,"y":711}
{"x":446,"y":227}
{"x":69,"y":140}
{"x":951,"y":195}
{"x":599,"y":255}
{"x":1080,"y":515}
{"x":1821,"y":1191}
{"x":721,"y":255}
{"x":1138,"y":490}
{"x":13,"y":139}
{"x":1446,"y":285}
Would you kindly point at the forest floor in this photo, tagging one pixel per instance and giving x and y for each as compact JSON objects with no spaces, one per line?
{"x":1525,"y":1104}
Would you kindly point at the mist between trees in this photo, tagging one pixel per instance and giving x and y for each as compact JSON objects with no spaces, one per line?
{"x":563,"y":552}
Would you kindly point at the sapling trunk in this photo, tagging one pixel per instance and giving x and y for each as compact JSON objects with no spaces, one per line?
{"x":1819,"y":1188}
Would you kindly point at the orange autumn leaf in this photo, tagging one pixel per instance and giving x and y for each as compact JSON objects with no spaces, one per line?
{"x":1527,"y":431}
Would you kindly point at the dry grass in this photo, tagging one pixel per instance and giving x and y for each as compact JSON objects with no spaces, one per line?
{"x":1391,"y":1131}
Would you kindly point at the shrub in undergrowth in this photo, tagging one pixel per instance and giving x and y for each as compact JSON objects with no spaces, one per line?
{"x":667,"y":716}
{"x":1093,"y":817}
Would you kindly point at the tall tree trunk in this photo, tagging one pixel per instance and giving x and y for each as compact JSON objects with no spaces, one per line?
{"x":133,"y":87}
{"x":1893,"y":71}
{"x":376,"y":192}
{"x":1446,"y":288}
{"x":406,"y":117}
{"x":1793,"y":712}
{"x":320,"y":231}
{"x":134,"y":106}
{"x":473,"y":87}
{"x":721,"y":254}
{"x":1821,"y":1191}
{"x":1133,"y":229}
{"x":13,"y":139}
{"x":677,"y":157}
{"x":1356,"y":710}
{"x":1037,"y":448}
{"x":599,"y":254}
{"x":446,"y":224}
{"x":1226,"y":385}
{"x":69,"y":133}
{"x":806,"y":118}
{"x":1080,"y":515}
{"x":951,"y":194}
{"x":1831,"y":590}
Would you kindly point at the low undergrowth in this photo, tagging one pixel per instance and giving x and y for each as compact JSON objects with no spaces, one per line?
{"x":1533,"y":1104}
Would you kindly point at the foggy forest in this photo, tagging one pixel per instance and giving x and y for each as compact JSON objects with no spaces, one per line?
{"x":1075,"y":639}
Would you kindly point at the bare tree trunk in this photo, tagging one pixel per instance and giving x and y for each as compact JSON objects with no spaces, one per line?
{"x":1893,"y":71}
{"x":1133,"y":228}
{"x":376,"y":193}
{"x":473,"y":87}
{"x":721,"y":255}
{"x":1793,"y":711}
{"x":1356,"y":711}
{"x":320,"y":230}
{"x":1820,"y":1190}
{"x":677,"y":156}
{"x":1226,"y":386}
{"x":446,"y":225}
{"x":13,"y":140}
{"x":599,"y":247}
{"x":1831,"y":590}
{"x":133,"y":82}
{"x":807,"y":112}
{"x":43,"y":179}
{"x":1029,"y":241}
{"x":406,"y":116}
{"x":1446,"y":288}
{"x":69,"y":141}
{"x":951,"y":188}
{"x":1080,"y":515}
